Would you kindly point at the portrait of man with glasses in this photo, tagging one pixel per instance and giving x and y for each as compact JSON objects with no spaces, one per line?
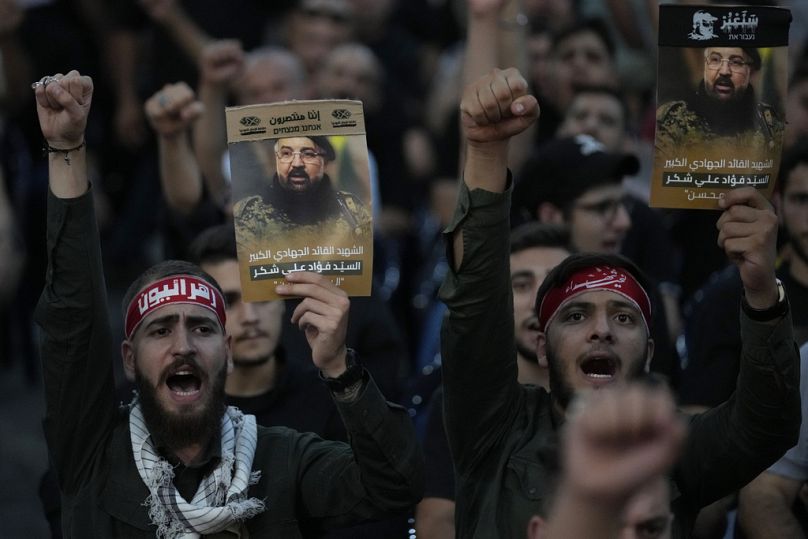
{"x":300,"y":194}
{"x":723,"y":105}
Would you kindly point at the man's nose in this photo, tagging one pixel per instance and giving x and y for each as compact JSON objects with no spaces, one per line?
{"x":622,"y":219}
{"x":182,"y":343}
{"x":724,"y":68}
{"x":601,"y":330}
{"x":249,"y":314}
{"x":297,"y":159}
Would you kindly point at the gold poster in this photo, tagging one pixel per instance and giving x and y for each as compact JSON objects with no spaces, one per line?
{"x":301,"y":194}
{"x":721,"y":102}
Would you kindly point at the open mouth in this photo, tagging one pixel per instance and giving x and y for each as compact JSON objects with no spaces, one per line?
{"x":599,"y":368}
{"x":184,"y":381}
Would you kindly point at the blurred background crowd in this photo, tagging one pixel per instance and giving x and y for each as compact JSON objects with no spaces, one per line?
{"x":591,"y":63}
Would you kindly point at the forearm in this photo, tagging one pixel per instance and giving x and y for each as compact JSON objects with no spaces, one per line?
{"x":121,"y":59}
{"x":512,"y":52}
{"x":185,"y":32}
{"x":385,"y":449}
{"x":576,"y":517}
{"x":477,"y":345}
{"x":179,"y":173}
{"x":764,"y":510}
{"x":76,"y":341}
{"x":210,"y":141}
{"x":733,"y":443}
{"x":68,"y":173}
{"x":768,"y":394}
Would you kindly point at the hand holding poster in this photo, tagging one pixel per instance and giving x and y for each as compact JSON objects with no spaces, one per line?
{"x":301,"y":193}
{"x":721,"y":93}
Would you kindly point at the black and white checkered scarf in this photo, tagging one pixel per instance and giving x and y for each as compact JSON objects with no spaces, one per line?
{"x":220,"y":502}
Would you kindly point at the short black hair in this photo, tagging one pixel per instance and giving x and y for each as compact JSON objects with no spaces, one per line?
{"x":579,"y":261}
{"x":603,"y":89}
{"x":535,"y":234}
{"x":794,"y":156}
{"x":213,"y":245}
{"x":596,"y":25}
{"x":162,"y":270}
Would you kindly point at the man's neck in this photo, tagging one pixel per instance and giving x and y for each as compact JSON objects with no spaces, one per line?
{"x":252,"y":379}
{"x":530,"y":372}
{"x":190,"y":455}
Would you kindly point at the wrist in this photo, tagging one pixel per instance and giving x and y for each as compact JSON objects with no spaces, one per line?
{"x":343,"y":378}
{"x":757,"y":307}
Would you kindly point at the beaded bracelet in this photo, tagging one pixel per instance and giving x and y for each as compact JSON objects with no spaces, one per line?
{"x":66,"y":151}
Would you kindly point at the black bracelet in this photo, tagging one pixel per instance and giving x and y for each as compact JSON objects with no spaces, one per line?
{"x":354,"y":372}
{"x":47,"y":148}
{"x":774,"y":312}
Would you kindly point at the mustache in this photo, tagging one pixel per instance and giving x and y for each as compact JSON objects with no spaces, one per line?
{"x":725,"y":80}
{"x":178,"y":364}
{"x":298,"y":172}
{"x":251,"y":334}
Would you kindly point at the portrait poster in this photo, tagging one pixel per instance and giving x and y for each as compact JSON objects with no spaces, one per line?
{"x":721,"y":91}
{"x":301,"y":194}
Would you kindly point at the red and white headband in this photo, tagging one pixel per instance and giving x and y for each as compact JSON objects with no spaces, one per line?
{"x":173,"y":289}
{"x":595,"y":278}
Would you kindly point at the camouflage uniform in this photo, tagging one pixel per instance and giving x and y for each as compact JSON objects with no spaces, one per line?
{"x":335,"y":213}
{"x":680,"y":124}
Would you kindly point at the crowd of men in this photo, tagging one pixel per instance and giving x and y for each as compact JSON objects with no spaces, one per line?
{"x":543,"y":354}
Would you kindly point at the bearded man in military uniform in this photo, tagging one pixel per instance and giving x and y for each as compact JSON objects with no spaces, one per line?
{"x":301,"y":198}
{"x":724,"y":105}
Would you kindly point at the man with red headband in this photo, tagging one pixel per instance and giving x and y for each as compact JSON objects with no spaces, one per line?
{"x":177,"y":462}
{"x":594,"y":316}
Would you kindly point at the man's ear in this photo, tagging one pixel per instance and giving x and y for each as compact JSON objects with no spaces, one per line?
{"x":548,"y":212}
{"x":229,"y":348}
{"x":535,"y":527}
{"x":541,"y":349}
{"x":128,"y":355}
{"x":649,"y":354}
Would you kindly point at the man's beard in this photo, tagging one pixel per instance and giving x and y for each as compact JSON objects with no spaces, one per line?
{"x":561,"y":389}
{"x":725,"y":80}
{"x":176,"y":431}
{"x":251,"y":361}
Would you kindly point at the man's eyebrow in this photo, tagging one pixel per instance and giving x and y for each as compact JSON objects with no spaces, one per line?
{"x":522,"y":273}
{"x":622,"y":303}
{"x":163,"y":320}
{"x":285,"y":147}
{"x":577,"y":304}
{"x":171,"y":319}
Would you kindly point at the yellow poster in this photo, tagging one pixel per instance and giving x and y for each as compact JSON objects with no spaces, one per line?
{"x":301,"y":194}
{"x":721,"y":99}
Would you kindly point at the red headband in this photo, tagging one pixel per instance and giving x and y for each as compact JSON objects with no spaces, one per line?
{"x":173,"y":289}
{"x":595,"y":278}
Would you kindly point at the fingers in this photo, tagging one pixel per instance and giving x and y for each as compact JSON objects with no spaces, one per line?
{"x":173,"y":109}
{"x":68,"y":92}
{"x":497,"y":107}
{"x":322,"y":297}
{"x":222,"y":61}
{"x":748,"y":223}
{"x":620,"y":438}
{"x":748,"y":196}
{"x":489,"y":99}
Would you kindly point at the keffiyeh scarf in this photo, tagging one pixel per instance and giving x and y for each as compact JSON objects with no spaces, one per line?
{"x":220,"y":502}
